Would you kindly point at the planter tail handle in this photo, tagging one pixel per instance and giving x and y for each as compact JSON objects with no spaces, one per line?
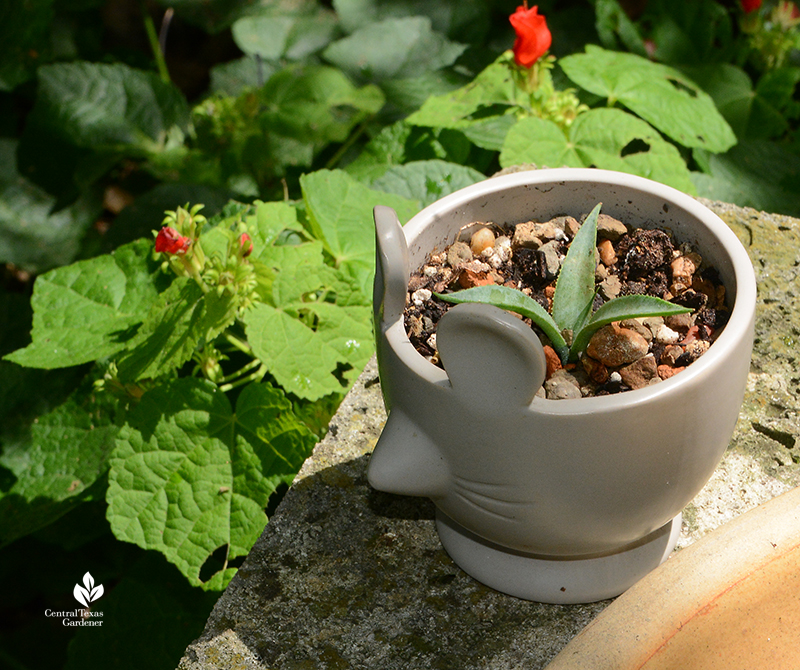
{"x":391,"y":267}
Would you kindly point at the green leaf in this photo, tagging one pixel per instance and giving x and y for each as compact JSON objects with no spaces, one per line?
{"x":603,"y":138}
{"x":32,"y":235}
{"x":616,"y":29}
{"x":493,"y":87}
{"x":178,"y":321}
{"x":189,"y":475}
{"x":232,"y":77}
{"x":66,"y":455}
{"x":465,"y":20}
{"x":393,"y":49}
{"x":515,"y":301}
{"x":340,"y":214}
{"x":661,"y":95}
{"x":755,"y":173}
{"x":626,"y":307}
{"x":753,"y":114}
{"x":95,"y":106}
{"x":702,"y":32}
{"x":89,"y":310}
{"x":315,"y":331}
{"x":575,"y":285}
{"x":426,"y":181}
{"x":289,"y":37}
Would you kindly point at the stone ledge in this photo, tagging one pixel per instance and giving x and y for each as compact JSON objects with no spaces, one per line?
{"x":348,"y":577}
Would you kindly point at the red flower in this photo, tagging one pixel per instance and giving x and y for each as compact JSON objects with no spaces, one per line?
{"x":170,"y":241}
{"x":533,"y":36}
{"x":750,"y":5}
{"x":246,"y":244}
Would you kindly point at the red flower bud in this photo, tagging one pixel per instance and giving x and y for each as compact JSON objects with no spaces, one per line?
{"x":246,"y":244}
{"x":533,"y":36}
{"x":750,"y":5}
{"x":170,"y":241}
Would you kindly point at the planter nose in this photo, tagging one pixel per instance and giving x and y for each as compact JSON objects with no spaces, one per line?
{"x":406,"y":461}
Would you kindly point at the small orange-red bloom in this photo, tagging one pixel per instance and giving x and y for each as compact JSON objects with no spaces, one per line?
{"x":246,"y":244}
{"x":171,"y":241}
{"x":750,"y":5}
{"x":533,"y":35}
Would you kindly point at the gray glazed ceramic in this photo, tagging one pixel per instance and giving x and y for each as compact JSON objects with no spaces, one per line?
{"x":550,"y":500}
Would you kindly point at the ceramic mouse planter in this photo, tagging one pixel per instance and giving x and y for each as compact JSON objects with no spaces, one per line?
{"x":558,"y":501}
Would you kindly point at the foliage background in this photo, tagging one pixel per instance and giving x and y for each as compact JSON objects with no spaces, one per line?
{"x":289,"y":118}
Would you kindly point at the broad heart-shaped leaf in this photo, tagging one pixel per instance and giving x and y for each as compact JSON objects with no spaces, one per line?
{"x":493,"y":87}
{"x":753,"y":114}
{"x":89,"y":310}
{"x":32,"y":235}
{"x":396,"y":48}
{"x":189,"y":475}
{"x":618,"y":309}
{"x":67,"y":453}
{"x":465,"y":20}
{"x":511,"y":299}
{"x":603,"y":138}
{"x":572,"y":299}
{"x":290,"y":37}
{"x":661,"y":95}
{"x":94,"y":105}
{"x":182,"y":317}
{"x":311,"y":346}
{"x":340,"y":214}
{"x":426,"y":181}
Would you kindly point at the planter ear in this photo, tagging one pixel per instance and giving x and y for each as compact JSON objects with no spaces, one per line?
{"x":493,"y":359}
{"x":391,"y":266}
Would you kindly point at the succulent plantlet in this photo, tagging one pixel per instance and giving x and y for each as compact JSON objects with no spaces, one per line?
{"x":572,"y":300}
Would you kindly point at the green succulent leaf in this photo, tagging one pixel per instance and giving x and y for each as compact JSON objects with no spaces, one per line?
{"x":515,"y":301}
{"x":575,"y":286}
{"x":189,"y":475}
{"x":618,"y":309}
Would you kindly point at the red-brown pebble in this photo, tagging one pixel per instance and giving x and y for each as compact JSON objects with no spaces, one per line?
{"x":614,"y":346}
{"x":553,"y":360}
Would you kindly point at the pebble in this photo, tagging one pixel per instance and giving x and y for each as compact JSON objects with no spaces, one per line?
{"x":596,"y":371}
{"x":481,"y":239}
{"x":671,"y":354}
{"x":432,"y":342}
{"x":683,"y":268}
{"x":552,"y":258}
{"x":610,"y":287}
{"x":607,"y":254}
{"x":421,"y":296}
{"x":679,"y":322}
{"x":640,"y":373}
{"x":610,"y":228}
{"x":562,"y":385}
{"x":639,"y":327}
{"x":665,"y":335}
{"x":614,"y":346}
{"x":553,"y":360}
{"x":667,"y":371}
{"x":459,"y":252}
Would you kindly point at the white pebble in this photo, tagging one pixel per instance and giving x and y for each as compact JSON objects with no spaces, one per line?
{"x":665,"y":335}
{"x":421,"y":296}
{"x":432,"y":341}
{"x":615,"y":377}
{"x":430,"y":271}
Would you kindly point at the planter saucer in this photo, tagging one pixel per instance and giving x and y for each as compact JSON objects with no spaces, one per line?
{"x":556,"y":580}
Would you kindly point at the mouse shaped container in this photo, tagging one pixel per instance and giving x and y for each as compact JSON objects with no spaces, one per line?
{"x":557,"y":501}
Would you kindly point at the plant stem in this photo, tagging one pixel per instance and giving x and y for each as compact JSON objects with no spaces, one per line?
{"x":158,"y":54}
{"x":236,"y":342}
{"x":255,"y":362}
{"x":255,"y":376}
{"x":349,"y":142}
